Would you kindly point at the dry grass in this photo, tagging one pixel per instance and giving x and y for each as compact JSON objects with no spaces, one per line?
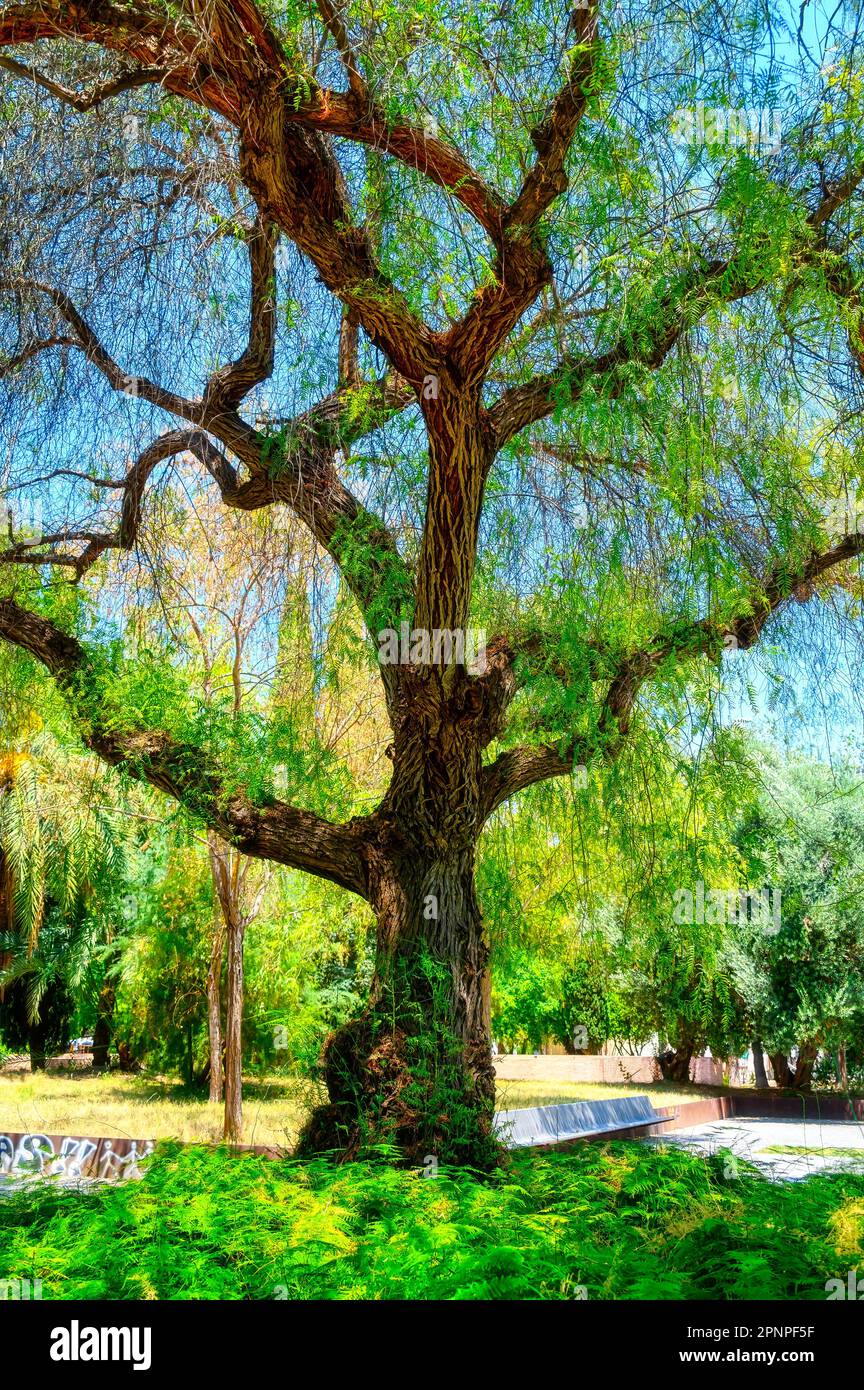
{"x":274,"y":1109}
{"x":148,"y":1107}
{"x":515,"y":1095}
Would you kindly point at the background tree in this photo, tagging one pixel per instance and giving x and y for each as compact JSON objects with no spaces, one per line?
{"x":208,"y":610}
{"x":802,"y":980}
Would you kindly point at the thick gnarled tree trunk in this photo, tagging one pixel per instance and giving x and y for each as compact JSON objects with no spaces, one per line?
{"x":675,"y":1063}
{"x":783,"y":1078}
{"x":415,"y":1071}
{"x":801,"y":1079}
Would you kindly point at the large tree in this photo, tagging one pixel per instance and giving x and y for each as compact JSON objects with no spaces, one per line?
{"x":526,"y":348}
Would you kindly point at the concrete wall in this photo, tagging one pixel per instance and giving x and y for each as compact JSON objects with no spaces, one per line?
{"x":64,"y":1156}
{"x":614,"y":1070}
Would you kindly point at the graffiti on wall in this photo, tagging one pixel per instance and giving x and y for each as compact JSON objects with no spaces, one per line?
{"x":62,"y":1156}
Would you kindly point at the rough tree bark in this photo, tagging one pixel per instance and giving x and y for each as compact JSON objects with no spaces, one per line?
{"x":802,"y":1078}
{"x":415,"y":1069}
{"x":229,"y":874}
{"x":675,"y":1064}
{"x":125,"y":1059}
{"x":760,"y":1075}
{"x":214,"y":1007}
{"x":782,"y":1072}
{"x":103,"y":1026}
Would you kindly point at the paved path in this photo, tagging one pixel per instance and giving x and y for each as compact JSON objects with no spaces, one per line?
{"x":746,"y":1138}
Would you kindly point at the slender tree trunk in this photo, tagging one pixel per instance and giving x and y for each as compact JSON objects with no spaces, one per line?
{"x":103,"y":1026}
{"x":234,"y":1033}
{"x":842,"y":1067}
{"x":214,"y":1008}
{"x":227,"y":880}
{"x":761,"y":1077}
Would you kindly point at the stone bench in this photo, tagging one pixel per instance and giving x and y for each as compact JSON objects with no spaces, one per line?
{"x":581,"y":1119}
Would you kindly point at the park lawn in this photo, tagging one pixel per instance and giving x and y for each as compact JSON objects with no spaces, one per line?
{"x":275,"y":1107}
{"x":138,"y":1107}
{"x":603,"y":1221}
{"x":515,"y":1095}
{"x":812,"y":1149}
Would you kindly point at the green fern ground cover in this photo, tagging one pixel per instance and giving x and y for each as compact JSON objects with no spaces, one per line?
{"x":614,"y":1221}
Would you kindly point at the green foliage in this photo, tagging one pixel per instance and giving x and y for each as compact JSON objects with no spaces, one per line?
{"x":306,"y":961}
{"x":162,"y":1004}
{"x":59,"y":844}
{"x":525,"y":999}
{"x":308,"y":965}
{"x":37,"y":1007}
{"x":590,"y":1008}
{"x":579,"y":887}
{"x":397,"y":1074}
{"x":682,"y":993}
{"x":803,"y":980}
{"x":619,"y":1221}
{"x":63,"y":847}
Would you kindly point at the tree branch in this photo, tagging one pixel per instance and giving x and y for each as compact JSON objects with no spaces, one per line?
{"x":230,"y":60}
{"x":678,"y":309}
{"x":522,"y":266}
{"x":844,"y":285}
{"x":553,"y":137}
{"x":296,"y":467}
{"x":134,"y":485}
{"x":228,"y":385}
{"x":286,"y":834}
{"x":518,"y":768}
{"x":11,"y":364}
{"x":125,"y":82}
{"x":649,"y":343}
{"x":344,"y":115}
{"x":336,"y":27}
{"x":87,"y":341}
{"x":521,"y":767}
